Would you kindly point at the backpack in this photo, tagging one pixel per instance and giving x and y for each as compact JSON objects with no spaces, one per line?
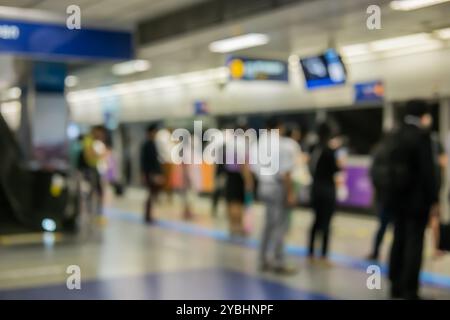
{"x":390,"y":172}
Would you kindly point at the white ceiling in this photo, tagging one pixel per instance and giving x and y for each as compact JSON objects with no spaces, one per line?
{"x":114,"y":13}
{"x":303,"y":29}
{"x":311,"y":24}
{"x":299,"y":28}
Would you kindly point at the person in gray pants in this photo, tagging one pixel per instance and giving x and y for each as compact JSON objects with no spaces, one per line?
{"x":276,"y":192}
{"x":276,"y":226}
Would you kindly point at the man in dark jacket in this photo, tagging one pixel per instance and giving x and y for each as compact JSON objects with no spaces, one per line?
{"x":411,"y":207}
{"x":151,"y":170}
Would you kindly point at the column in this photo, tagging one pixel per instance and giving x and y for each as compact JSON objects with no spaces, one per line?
{"x":444,"y":135}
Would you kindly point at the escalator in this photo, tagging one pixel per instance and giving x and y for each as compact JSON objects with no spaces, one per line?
{"x":33,"y":199}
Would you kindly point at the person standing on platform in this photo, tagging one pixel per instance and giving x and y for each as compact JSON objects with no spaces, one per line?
{"x":151,"y":171}
{"x":379,"y":182}
{"x":300,"y":175}
{"x":413,"y":196}
{"x":92,"y":154}
{"x":276,"y":191}
{"x":219,"y":174}
{"x":324,"y":167}
{"x":164,"y":146}
{"x":441,"y":164}
{"x":239,"y":180}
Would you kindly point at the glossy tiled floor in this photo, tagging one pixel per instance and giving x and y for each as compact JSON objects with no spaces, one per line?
{"x":173,"y":259}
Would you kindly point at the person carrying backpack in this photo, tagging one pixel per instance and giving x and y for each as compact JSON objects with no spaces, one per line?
{"x":411,"y":195}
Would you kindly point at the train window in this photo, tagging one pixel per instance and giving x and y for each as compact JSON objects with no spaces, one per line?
{"x":361,"y":128}
{"x":400,"y":110}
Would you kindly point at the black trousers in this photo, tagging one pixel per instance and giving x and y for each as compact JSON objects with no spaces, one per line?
{"x":406,"y":256}
{"x":324,"y":203}
{"x":152,"y":192}
{"x":384,"y":218}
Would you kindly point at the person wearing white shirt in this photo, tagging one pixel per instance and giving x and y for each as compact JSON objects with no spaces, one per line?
{"x":275,"y":190}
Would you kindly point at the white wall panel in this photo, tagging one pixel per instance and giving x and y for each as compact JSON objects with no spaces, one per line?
{"x":420,"y":75}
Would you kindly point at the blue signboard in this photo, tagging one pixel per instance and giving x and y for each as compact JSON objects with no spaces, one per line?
{"x":372,"y":91}
{"x":324,"y":70}
{"x":257,"y":69}
{"x":201,"y":108}
{"x":42,"y":40}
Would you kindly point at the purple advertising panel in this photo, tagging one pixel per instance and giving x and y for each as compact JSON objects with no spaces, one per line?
{"x":357,"y":191}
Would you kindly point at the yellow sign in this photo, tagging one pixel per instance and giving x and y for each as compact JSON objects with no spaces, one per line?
{"x":237,"y":68}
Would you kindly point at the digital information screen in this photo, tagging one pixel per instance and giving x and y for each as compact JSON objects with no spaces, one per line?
{"x":324,"y":70}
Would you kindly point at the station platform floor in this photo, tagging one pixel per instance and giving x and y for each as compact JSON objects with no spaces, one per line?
{"x":177,"y":259}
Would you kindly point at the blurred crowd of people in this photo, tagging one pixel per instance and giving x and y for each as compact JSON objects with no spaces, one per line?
{"x":407,"y":166}
{"x":93,"y":157}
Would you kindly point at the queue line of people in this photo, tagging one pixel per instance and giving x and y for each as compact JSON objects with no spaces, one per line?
{"x":406,"y":173}
{"x":407,"y":197}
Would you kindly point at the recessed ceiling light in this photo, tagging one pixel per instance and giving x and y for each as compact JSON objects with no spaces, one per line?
{"x":407,"y":5}
{"x":238,"y":43}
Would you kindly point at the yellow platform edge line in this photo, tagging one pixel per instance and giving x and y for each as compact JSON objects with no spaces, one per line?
{"x":28,"y":238}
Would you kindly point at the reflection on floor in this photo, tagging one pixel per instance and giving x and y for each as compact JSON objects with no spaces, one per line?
{"x":196,"y":260}
{"x":216,"y":283}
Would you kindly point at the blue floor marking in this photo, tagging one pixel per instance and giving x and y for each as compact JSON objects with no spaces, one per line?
{"x":427,"y":278}
{"x":209,"y":284}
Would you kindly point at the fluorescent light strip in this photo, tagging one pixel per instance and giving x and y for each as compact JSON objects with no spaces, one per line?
{"x":355,"y":50}
{"x":238,"y":43}
{"x":130,"y":67}
{"x":443,"y":33}
{"x":430,"y":46}
{"x":400,"y":42}
{"x":31,"y":14}
{"x":407,"y":5}
{"x":405,"y":43}
{"x":359,"y":59}
{"x":135,"y":87}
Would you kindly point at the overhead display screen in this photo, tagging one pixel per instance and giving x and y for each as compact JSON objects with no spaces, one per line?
{"x":250,"y":69}
{"x":324,"y":70}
